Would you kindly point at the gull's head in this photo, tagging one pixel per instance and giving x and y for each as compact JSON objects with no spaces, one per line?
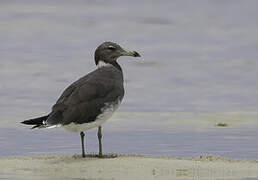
{"x":109,"y":52}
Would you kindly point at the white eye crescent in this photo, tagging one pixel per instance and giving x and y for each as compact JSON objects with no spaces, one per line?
{"x":111,"y":47}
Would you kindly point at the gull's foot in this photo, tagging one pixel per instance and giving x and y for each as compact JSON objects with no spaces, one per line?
{"x":104,"y":156}
{"x":107,"y":156}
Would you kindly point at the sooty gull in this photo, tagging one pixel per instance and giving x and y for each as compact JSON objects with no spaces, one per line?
{"x":91,"y":100}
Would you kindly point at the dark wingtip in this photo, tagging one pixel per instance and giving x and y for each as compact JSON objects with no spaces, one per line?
{"x":26,"y":122}
{"x":35,"y":121}
{"x":29,"y":122}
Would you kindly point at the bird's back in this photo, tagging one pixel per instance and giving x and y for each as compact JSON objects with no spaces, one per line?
{"x":86,"y":98}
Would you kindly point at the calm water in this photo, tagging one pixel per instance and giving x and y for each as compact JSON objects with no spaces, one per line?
{"x":199,"y":57}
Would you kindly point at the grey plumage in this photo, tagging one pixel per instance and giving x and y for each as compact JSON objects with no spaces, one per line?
{"x":85,"y":100}
{"x":82,"y":101}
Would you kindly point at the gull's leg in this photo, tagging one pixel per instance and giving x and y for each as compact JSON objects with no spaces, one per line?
{"x":82,"y":139}
{"x":100,"y":142}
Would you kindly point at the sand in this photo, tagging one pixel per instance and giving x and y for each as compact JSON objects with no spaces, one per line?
{"x":125,"y":167}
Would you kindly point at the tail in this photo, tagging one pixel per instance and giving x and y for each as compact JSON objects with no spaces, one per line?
{"x":37,"y":122}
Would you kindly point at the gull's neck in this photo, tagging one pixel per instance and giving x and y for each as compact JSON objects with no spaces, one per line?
{"x":113,"y":64}
{"x":103,"y":64}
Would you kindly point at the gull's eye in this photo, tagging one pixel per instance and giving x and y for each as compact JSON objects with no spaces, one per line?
{"x":111,"y":47}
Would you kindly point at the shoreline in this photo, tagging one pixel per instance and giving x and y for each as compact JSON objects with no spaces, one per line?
{"x":126,"y":167}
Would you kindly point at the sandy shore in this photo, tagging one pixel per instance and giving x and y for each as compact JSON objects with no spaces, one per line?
{"x":125,"y":167}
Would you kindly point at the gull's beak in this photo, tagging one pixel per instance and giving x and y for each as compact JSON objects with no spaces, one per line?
{"x":130,"y":53}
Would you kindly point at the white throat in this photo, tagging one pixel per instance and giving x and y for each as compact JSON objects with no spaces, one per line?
{"x":103,"y":64}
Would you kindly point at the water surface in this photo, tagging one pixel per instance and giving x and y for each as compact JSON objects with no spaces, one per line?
{"x":199,"y":68}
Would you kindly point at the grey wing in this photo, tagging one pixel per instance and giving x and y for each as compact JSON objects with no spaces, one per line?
{"x":82,"y":101}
